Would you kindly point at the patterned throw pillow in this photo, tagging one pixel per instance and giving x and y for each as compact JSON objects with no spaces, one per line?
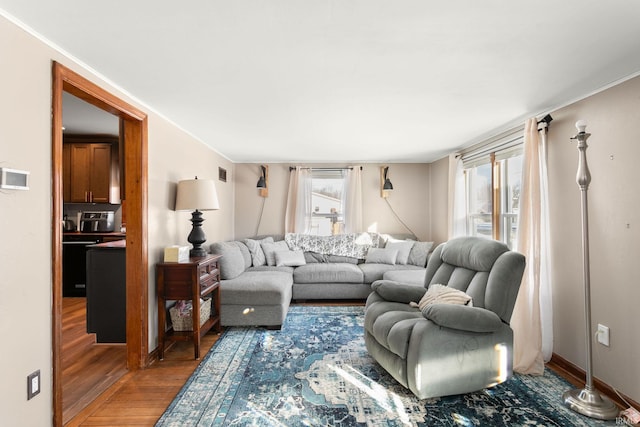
{"x":257,"y":254}
{"x":419,"y":253}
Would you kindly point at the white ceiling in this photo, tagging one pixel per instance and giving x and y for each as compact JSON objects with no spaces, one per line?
{"x":345,"y":80}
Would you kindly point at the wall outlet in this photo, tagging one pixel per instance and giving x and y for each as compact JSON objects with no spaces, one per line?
{"x":603,"y":335}
{"x":33,"y":384}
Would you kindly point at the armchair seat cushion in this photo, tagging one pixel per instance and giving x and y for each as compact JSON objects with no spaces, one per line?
{"x":392,"y":328}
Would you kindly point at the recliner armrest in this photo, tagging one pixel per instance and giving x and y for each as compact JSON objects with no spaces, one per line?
{"x":463,"y":317}
{"x":398,"y":292}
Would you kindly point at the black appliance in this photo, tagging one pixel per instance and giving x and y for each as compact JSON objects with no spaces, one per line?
{"x":74,"y":262}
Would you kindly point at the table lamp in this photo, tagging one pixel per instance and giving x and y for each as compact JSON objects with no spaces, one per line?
{"x":197,"y":195}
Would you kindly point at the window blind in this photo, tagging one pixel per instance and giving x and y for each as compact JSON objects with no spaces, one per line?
{"x":505,"y":145}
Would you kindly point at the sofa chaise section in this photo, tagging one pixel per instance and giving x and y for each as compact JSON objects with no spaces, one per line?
{"x":251,"y":296}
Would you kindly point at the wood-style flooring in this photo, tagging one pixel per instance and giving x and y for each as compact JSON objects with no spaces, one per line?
{"x":139,"y":398}
{"x":88,"y":368}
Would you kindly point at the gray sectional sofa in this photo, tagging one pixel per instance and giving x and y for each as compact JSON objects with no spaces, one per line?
{"x":260,"y":277}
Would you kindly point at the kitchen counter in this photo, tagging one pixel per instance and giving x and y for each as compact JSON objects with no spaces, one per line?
{"x":115,"y":244}
{"x":79,"y":233}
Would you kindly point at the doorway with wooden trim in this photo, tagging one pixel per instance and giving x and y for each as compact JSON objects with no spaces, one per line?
{"x":134,"y":137}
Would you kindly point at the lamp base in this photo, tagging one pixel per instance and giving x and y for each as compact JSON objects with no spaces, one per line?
{"x":591,"y":403}
{"x":197,"y":252}
{"x":197,"y":237}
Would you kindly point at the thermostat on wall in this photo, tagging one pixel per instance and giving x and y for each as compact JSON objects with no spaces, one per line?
{"x":13,"y":179}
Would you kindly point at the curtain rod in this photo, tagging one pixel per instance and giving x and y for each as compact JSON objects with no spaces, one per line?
{"x":292,"y":168}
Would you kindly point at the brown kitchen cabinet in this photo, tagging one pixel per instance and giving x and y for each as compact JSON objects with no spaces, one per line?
{"x":91,"y":170}
{"x":199,"y":277}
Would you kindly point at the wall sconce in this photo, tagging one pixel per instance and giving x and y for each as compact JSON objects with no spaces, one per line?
{"x":385,"y":182}
{"x":263,"y":181}
{"x":197,"y":195}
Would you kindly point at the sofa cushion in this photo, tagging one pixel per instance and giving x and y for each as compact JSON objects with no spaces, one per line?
{"x":257,"y":288}
{"x":272,"y":268}
{"x":373,"y":272}
{"x":328,"y":273}
{"x":257,"y":254}
{"x":271,"y":248}
{"x":317,"y":257}
{"x":289,"y":258}
{"x":403,"y":247}
{"x":233,"y":261}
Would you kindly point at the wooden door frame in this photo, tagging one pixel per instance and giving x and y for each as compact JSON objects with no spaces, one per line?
{"x":134,"y":129}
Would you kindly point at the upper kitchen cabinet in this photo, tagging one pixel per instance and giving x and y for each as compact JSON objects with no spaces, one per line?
{"x":91,"y":169}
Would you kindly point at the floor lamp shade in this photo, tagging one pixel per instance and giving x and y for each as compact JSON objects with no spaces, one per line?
{"x":197,"y":195}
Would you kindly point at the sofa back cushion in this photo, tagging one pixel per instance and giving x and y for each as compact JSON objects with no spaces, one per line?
{"x":235,"y":258}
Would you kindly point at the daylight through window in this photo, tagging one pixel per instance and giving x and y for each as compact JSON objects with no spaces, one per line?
{"x":327,"y":201}
{"x":493,"y":193}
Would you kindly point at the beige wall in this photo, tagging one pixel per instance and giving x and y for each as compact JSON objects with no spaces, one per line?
{"x":173,"y":156}
{"x":410,"y":199}
{"x":25,"y":216}
{"x":439,"y":201}
{"x":614,"y":230}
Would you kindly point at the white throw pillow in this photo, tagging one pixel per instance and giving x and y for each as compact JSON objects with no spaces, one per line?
{"x":290,"y":258}
{"x":440,"y":294}
{"x":270,"y":250}
{"x":403,"y":247}
{"x":381,"y":256}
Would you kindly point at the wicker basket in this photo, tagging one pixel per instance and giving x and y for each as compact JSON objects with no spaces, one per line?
{"x":184,"y":322}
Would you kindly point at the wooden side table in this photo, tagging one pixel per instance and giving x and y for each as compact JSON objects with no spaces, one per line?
{"x":191,"y":280}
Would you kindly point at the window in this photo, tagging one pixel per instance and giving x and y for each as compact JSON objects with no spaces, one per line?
{"x":493,"y":193}
{"x":327,"y":201}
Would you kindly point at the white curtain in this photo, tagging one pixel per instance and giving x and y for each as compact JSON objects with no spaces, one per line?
{"x":352,"y":200}
{"x":532,"y":315}
{"x":297,"y":217}
{"x":457,"y":198}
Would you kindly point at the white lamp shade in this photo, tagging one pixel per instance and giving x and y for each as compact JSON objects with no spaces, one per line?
{"x":197,"y":194}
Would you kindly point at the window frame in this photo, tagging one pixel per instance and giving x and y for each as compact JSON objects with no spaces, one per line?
{"x":497,"y":156}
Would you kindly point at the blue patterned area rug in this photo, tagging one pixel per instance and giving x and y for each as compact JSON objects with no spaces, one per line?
{"x":316,"y":372}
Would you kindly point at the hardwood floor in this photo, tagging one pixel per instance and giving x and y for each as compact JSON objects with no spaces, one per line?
{"x":88,"y":368}
{"x":140,"y":398}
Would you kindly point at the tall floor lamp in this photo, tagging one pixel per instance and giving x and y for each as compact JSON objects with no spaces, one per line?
{"x":587,"y":401}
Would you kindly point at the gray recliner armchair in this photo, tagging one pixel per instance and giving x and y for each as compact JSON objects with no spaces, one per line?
{"x":447,"y":349}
